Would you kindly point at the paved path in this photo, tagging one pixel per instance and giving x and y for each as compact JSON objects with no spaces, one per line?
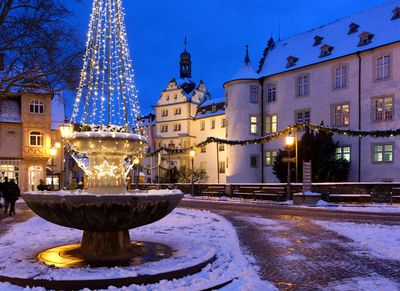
{"x":295,"y":254}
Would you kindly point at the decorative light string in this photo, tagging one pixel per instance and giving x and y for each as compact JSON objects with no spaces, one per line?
{"x":271,"y":137}
{"x":107,"y":91}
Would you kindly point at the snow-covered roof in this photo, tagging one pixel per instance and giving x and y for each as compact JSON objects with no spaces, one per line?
{"x":57,"y":111}
{"x":246,"y":72}
{"x":10,"y":110}
{"x":377,"y":21}
{"x":206,"y":108}
{"x":209,"y":102}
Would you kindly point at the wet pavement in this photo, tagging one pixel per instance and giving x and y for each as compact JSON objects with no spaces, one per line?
{"x":295,"y":254}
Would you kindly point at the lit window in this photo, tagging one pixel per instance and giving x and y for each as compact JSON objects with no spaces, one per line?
{"x":36,"y":139}
{"x":213,"y":124}
{"x":303,"y":86}
{"x":343,"y":152}
{"x":383,"y":68}
{"x":254,"y":94}
{"x":271,"y":125}
{"x":202,"y":125}
{"x":341,"y":115}
{"x":36,"y":106}
{"x":253,"y":125}
{"x":271,"y":92}
{"x":382,"y":153}
{"x":270,"y":157}
{"x":341,"y":77}
{"x":383,"y":108}
{"x":303,"y":116}
{"x":222,"y":167}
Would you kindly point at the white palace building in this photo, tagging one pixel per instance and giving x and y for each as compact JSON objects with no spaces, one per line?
{"x":345,"y":74}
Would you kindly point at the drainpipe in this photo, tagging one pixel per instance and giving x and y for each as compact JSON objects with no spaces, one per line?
{"x":262,"y":130}
{"x":359,"y":113}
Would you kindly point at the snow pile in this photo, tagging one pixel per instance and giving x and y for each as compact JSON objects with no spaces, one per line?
{"x":193,"y":234}
{"x":383,"y":241}
{"x":371,"y":282}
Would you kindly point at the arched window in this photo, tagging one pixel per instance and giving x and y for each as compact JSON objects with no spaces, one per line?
{"x":36,"y":139}
{"x":36,"y":106}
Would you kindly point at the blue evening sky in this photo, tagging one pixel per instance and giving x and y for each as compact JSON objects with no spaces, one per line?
{"x":217,"y":31}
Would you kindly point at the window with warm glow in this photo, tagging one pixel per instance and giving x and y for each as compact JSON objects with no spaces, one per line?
{"x":270,"y":157}
{"x":383,"y":108}
{"x":253,"y":125}
{"x":36,"y":139}
{"x":271,"y":124}
{"x":341,"y":115}
{"x":343,"y":152}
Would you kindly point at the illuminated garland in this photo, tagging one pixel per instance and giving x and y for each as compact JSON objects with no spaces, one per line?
{"x":274,"y":136}
{"x":107,"y":92}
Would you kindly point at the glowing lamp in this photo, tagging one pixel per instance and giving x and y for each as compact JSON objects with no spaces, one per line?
{"x":136,"y":161}
{"x":289,"y":140}
{"x":57,"y":145}
{"x":66,"y":130}
{"x":192,"y":153}
{"x":53,"y":152}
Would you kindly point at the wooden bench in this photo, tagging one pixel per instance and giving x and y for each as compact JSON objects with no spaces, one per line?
{"x":395,"y":195}
{"x":214,"y":191}
{"x":349,"y":198}
{"x":275,"y":193}
{"x":245,"y":191}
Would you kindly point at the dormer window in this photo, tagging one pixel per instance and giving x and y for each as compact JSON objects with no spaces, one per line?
{"x":214,"y":108}
{"x":326,"y":50}
{"x":291,"y":61}
{"x":353,"y":28}
{"x":318,"y":40}
{"x":365,"y":38}
{"x":396,"y":13}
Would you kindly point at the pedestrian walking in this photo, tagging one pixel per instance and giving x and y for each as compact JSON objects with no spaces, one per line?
{"x":14,"y":194}
{"x":5,"y":189}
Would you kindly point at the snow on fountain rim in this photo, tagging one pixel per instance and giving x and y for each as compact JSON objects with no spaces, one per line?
{"x":105,"y":134}
{"x":141,"y":194}
{"x":194,"y":234}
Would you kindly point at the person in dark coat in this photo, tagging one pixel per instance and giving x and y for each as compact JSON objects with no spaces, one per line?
{"x":5,"y":187}
{"x":1,"y":193}
{"x":14,"y":194}
{"x":42,"y":186}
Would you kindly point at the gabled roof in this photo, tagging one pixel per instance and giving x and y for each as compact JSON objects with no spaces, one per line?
{"x":377,"y":21}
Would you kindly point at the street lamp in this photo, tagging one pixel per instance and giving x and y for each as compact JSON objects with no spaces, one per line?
{"x":289,"y":140}
{"x":53,"y":153}
{"x":192,"y":154}
{"x":136,"y":175}
{"x":66,"y":130}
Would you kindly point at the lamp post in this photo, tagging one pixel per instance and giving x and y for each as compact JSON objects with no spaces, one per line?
{"x":53,"y":153}
{"x":66,"y":130}
{"x":136,"y":172}
{"x":289,"y":140}
{"x":192,"y":154}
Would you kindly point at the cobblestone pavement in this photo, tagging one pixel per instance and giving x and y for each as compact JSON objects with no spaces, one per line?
{"x":295,"y":254}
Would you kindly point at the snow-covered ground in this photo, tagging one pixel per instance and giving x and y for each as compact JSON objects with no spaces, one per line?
{"x":380,"y":240}
{"x":194,"y":234}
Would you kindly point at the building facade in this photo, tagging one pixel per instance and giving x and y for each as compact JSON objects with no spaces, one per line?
{"x":345,"y":75}
{"x":185,"y":115}
{"x":28,"y":129}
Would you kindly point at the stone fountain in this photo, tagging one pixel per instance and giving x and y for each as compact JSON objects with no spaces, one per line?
{"x":106,"y":118}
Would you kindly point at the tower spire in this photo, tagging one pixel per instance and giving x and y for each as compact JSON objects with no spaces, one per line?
{"x":185,"y":63}
{"x":247,"y":58}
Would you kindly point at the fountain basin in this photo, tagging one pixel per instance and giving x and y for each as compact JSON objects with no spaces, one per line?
{"x":104,"y":219}
{"x":102,"y":212}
